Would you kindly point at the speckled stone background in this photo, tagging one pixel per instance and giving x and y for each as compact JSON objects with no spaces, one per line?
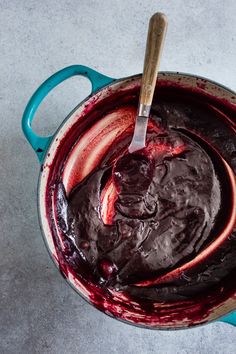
{"x":39,"y":312}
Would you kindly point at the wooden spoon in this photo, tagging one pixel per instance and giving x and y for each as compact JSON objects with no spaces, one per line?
{"x":155,"y":40}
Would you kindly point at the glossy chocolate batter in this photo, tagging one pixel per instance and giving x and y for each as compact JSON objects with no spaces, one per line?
{"x":136,"y":219}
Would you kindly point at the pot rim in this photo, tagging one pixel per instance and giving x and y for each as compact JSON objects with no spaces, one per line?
{"x":78,"y":291}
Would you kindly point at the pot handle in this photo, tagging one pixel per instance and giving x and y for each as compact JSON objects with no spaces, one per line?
{"x":40,"y":144}
{"x":230,"y":318}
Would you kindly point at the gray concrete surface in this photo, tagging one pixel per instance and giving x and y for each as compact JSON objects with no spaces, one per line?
{"x":39,"y":313}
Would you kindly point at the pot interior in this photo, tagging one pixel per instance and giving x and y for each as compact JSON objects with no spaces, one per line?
{"x":85,"y":139}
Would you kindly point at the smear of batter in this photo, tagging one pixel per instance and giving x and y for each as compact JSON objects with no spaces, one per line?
{"x":165,"y":202}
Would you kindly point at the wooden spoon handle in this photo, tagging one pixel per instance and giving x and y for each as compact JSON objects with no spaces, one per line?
{"x":155,"y":39}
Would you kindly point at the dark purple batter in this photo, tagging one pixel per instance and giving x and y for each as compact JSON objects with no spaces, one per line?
{"x":170,"y":201}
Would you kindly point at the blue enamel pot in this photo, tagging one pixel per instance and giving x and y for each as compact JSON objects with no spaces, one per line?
{"x":67,"y":152}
